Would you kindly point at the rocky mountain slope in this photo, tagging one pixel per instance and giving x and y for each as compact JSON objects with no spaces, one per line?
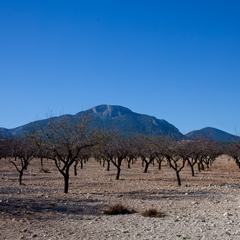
{"x":113,"y":117}
{"x":126,"y":121}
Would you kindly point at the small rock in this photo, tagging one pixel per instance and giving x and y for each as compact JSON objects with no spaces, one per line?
{"x":227,"y":214}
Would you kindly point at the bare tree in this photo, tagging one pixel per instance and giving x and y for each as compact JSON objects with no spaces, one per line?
{"x":62,"y":140}
{"x":175,"y":157}
{"x":147,"y":150}
{"x":159,"y":143}
{"x":233,"y":150}
{"x":210,"y":150}
{"x":190,"y":150}
{"x":83,"y":157}
{"x":114,"y":149}
{"x":20,"y":151}
{"x":131,"y":145}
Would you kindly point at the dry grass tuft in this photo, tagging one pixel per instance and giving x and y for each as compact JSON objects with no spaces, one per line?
{"x":44,"y":170}
{"x":152,"y":212}
{"x":118,"y":209}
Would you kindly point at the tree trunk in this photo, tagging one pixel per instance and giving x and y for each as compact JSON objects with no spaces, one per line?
{"x":20,"y":177}
{"x":207,"y":164}
{"x":178,"y":178}
{"x":108,"y":165}
{"x":159,"y":165}
{"x":146,"y":167}
{"x":75,"y":168}
{"x":118,"y":173}
{"x":66,"y":182}
{"x":192,"y":169}
{"x":25,"y":165}
{"x":129,"y":163}
{"x":81,"y":164}
{"x":199,"y":167}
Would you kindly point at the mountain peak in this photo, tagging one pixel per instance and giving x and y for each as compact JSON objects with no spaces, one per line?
{"x":112,"y":111}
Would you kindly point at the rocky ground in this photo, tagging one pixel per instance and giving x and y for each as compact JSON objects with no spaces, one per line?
{"x":206,"y":206}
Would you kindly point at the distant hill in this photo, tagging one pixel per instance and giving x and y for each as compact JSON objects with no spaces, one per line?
{"x":115,"y":117}
{"x":126,"y":121}
{"x":212,"y":133}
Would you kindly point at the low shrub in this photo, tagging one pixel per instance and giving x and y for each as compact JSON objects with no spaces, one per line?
{"x":152,"y":212}
{"x":118,"y":209}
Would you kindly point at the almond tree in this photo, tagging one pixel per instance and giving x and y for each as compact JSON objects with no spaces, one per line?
{"x":190,"y":150}
{"x":20,"y":151}
{"x":174,"y":153}
{"x":233,"y":150}
{"x":62,"y":141}
{"x":131,"y":144}
{"x":147,"y":150}
{"x":103,"y":152}
{"x":210,"y":150}
{"x":84,"y":156}
{"x":114,"y":149}
{"x":159,"y":143}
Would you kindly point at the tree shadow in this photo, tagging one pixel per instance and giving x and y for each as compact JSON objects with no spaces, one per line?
{"x":39,"y":209}
{"x":176,"y":195}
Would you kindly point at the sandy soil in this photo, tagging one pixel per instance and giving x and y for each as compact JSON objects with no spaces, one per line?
{"x":206,"y":206}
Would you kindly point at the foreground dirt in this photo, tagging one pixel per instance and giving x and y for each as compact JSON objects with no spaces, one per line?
{"x":206,"y":206}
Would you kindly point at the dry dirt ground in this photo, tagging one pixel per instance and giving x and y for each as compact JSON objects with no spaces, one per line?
{"x":206,"y":206}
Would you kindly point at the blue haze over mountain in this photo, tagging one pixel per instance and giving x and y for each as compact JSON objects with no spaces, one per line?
{"x":127,"y":122}
{"x":212,"y":133}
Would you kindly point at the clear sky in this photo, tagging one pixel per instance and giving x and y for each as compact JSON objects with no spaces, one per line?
{"x":175,"y":60}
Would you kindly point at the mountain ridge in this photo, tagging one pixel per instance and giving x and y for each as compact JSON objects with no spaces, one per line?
{"x":212,"y":133}
{"x":125,"y":120}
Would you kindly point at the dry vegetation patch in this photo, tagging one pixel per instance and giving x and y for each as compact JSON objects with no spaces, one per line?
{"x":119,"y":209}
{"x":152,"y":212}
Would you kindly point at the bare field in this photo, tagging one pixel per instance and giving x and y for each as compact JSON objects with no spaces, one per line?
{"x":206,"y":206}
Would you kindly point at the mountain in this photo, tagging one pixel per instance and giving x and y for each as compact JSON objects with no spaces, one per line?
{"x":114,"y":117}
{"x":126,"y":121}
{"x":212,"y":133}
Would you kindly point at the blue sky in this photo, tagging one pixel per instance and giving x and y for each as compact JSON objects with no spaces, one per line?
{"x":176,"y":60}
